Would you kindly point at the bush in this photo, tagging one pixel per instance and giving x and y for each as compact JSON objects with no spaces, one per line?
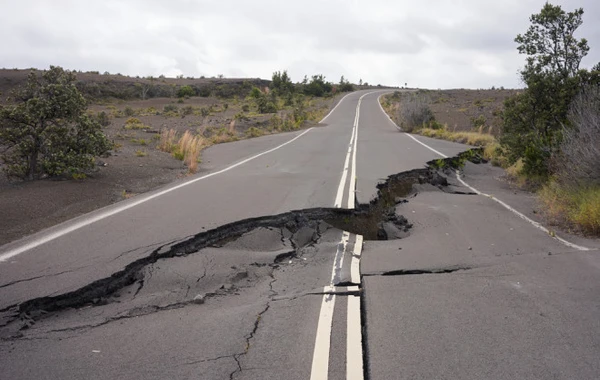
{"x":128,"y":111}
{"x":317,"y":86}
{"x":578,"y":162}
{"x":103,"y":118}
{"x":47,"y":132}
{"x":415,"y":112}
{"x":186,"y":91}
{"x":171,"y":108}
{"x":187,"y":110}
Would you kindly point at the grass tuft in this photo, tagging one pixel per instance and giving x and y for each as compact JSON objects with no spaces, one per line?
{"x":187,"y":148}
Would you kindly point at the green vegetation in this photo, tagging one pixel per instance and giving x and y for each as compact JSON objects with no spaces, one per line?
{"x":185,"y":91}
{"x":134,"y":123}
{"x":550,"y":136}
{"x":47,"y":131}
{"x":534,"y":120}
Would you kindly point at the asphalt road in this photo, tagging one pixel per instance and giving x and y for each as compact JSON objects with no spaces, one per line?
{"x":180,"y":284}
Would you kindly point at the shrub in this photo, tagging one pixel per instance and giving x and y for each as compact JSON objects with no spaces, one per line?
{"x":414,"y":112}
{"x":578,"y":161}
{"x":254,"y":132}
{"x":134,"y":123}
{"x":128,"y":111}
{"x":170,"y":108}
{"x":103,"y":118}
{"x":47,"y":132}
{"x":255,"y":93}
{"x":187,"y":110}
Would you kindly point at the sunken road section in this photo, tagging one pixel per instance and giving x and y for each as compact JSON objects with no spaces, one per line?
{"x":375,"y":221}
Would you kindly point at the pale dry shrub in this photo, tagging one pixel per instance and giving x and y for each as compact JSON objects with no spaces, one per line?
{"x":415,"y":112}
{"x":189,"y":147}
{"x":578,"y":162}
{"x":168,"y":139}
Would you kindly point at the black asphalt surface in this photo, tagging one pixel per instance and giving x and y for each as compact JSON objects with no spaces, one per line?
{"x":473,"y":292}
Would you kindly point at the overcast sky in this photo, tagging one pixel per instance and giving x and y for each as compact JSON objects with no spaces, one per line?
{"x":426,"y":43}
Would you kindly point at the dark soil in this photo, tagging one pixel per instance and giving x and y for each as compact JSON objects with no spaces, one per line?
{"x":460,"y":108}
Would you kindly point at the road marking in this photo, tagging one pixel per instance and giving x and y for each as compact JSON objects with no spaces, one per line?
{"x":352,"y":146}
{"x":505,"y":205}
{"x":37,"y":242}
{"x":354,"y":354}
{"x":355,"y":263}
{"x":533,"y":222}
{"x":336,"y":106}
{"x":320,"y":363}
{"x":340,"y":192}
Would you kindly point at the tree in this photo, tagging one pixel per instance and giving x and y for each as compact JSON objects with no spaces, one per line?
{"x":47,"y":131}
{"x":534,"y":119}
{"x":282,"y":83}
{"x":345,"y":85}
{"x":317,"y":86}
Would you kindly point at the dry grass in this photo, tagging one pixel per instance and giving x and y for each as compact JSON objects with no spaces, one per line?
{"x":577,"y":207}
{"x":470,"y":138}
{"x":168,"y":139}
{"x":187,"y":148}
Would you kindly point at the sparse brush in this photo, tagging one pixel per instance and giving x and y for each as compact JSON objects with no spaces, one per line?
{"x":134,"y":123}
{"x":168,"y":138}
{"x":189,"y":146}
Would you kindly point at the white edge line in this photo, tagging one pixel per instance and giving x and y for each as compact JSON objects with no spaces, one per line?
{"x":505,"y":205}
{"x":16,"y":251}
{"x":354,"y":354}
{"x":522,"y":216}
{"x":336,"y":106}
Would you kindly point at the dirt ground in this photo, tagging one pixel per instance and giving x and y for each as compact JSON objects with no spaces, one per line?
{"x":461,"y":109}
{"x":135,"y":165}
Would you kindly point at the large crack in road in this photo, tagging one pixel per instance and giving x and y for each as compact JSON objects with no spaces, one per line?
{"x":210,"y":264}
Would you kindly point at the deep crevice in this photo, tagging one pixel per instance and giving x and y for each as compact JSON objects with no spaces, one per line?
{"x":375,"y":221}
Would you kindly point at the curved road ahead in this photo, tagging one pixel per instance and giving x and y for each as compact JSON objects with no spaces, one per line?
{"x":475,"y":291}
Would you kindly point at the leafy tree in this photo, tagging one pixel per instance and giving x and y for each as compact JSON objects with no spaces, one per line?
{"x":533,"y":120}
{"x":345,"y":85}
{"x":317,"y":86}
{"x":47,"y":131}
{"x":282,"y":83}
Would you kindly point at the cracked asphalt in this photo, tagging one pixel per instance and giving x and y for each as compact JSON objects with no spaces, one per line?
{"x":218,"y":279}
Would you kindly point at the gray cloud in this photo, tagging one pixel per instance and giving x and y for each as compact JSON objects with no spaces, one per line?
{"x":436,"y":44}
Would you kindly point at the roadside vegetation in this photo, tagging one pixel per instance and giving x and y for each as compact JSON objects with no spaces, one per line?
{"x":47,"y":132}
{"x":56,"y":124}
{"x":548,"y":136}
